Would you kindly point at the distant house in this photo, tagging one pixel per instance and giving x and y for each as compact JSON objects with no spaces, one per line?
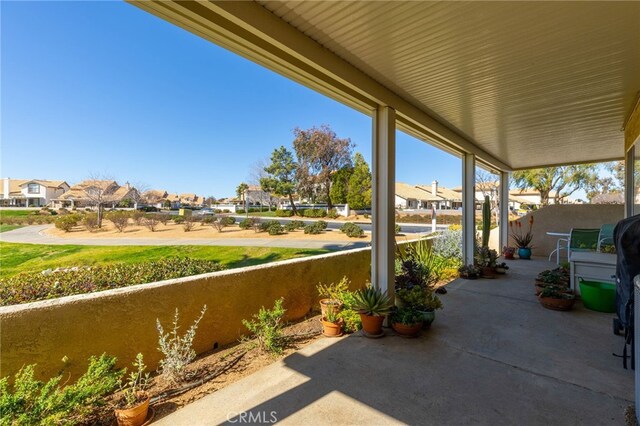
{"x":415,"y":197}
{"x":84,"y":194}
{"x":155,"y":197}
{"x":256,"y":196}
{"x":191,"y":200}
{"x":30,"y":193}
{"x":610,"y":198}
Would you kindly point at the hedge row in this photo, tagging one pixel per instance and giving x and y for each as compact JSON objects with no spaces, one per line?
{"x":32,"y":286}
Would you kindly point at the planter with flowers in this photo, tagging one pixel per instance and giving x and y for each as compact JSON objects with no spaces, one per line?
{"x":508,"y":252}
{"x":522,"y":239}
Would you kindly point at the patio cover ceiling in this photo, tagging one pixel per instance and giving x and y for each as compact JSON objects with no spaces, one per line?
{"x":519,"y":84}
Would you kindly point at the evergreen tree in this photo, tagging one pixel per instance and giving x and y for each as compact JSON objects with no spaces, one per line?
{"x":359,"y":192}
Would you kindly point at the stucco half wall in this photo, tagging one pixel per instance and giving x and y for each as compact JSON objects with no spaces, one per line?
{"x":564,"y":217}
{"x":122,"y":322}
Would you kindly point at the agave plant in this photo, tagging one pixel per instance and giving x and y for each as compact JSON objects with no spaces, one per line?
{"x":373,"y":302}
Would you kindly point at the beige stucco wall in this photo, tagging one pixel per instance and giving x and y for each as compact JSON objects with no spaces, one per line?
{"x":561,"y":218}
{"x":122,"y":322}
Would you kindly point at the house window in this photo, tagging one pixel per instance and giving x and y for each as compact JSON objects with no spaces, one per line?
{"x":33,"y":188}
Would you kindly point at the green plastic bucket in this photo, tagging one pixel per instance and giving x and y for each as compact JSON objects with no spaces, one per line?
{"x":598,"y":296}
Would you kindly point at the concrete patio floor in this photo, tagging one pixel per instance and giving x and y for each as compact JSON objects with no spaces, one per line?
{"x":494,"y":356}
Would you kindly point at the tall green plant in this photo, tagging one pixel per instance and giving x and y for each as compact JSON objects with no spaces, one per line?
{"x":486,"y":221}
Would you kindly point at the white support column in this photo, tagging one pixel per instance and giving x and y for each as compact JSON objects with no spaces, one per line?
{"x":468,"y":207}
{"x":504,"y":209}
{"x":383,"y":199}
{"x":629,"y":184}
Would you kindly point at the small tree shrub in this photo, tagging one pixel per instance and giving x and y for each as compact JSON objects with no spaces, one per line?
{"x":315,"y":213}
{"x":150,"y":221}
{"x":32,"y":286}
{"x":177,"y":350}
{"x":218,"y":223}
{"x":276,"y":229}
{"x":90,"y":221}
{"x":136,"y":384}
{"x":240,"y":211}
{"x":163,"y":218}
{"x":398,"y":229}
{"x":284,"y":213}
{"x":178,"y":220}
{"x":188,"y":223}
{"x":120,"y":219}
{"x":32,"y":402}
{"x":448,"y":244}
{"x":293,"y":225}
{"x":333,"y":214}
{"x":67,"y":223}
{"x":267,"y":326}
{"x":137,"y":217}
{"x":352,"y":230}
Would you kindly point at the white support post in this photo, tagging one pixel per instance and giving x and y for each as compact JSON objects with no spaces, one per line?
{"x":629,"y":184}
{"x":383,"y":198}
{"x":504,"y":209}
{"x":468,"y":207}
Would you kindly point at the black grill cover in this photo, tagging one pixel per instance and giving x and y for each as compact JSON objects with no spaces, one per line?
{"x":626,"y":237}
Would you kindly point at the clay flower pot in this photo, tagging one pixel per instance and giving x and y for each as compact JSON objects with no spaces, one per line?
{"x":134,"y":416}
{"x":332,"y":329}
{"x":372,"y":325}
{"x":407,"y":330}
{"x":556,"y":304}
{"x":488,"y":272}
{"x":326,"y":304}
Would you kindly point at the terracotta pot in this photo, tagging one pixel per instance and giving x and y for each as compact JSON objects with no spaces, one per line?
{"x":407,"y":330}
{"x":332,"y":329}
{"x":134,"y":416}
{"x":372,"y":325}
{"x":556,"y":304}
{"x":325,"y":303}
{"x":488,"y":272}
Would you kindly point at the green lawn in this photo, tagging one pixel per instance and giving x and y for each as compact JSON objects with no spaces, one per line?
{"x":263,"y":214}
{"x":15,"y":258}
{"x":15,"y":213}
{"x":5,"y":228}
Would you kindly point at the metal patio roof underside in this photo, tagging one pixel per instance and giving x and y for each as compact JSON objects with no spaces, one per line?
{"x":531,"y":83}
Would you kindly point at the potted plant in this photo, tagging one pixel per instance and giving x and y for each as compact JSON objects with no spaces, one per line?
{"x":508,"y":252}
{"x":468,"y":272}
{"x":552,"y":277}
{"x":485,"y":259}
{"x":432,"y":303}
{"x":523,"y":241}
{"x":556,"y":298}
{"x":422,"y":300}
{"x":372,"y":305}
{"x":407,"y":322}
{"x":501,"y":268}
{"x":133,"y":407}
{"x":331,"y":296}
{"x":332,"y":324}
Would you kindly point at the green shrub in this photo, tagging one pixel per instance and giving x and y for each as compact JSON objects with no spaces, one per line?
{"x":90,"y":221}
{"x":32,"y":402}
{"x":229,"y":220}
{"x":120,"y":219}
{"x":267,"y":327}
{"x":352,"y":230}
{"x":284,"y":213}
{"x":398,"y":229}
{"x":315,"y":228}
{"x":32,"y":286}
{"x":247,"y":223}
{"x":178,"y":220}
{"x":276,"y":229}
{"x":315,"y":213}
{"x":240,"y":211}
{"x":333,"y":214}
{"x":66,"y":223}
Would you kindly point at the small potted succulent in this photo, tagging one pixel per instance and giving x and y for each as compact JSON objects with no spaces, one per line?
{"x":372,"y":305}
{"x":556,"y":298}
{"x":485,"y":259}
{"x":420,"y":299}
{"x":508,"y":252}
{"x":332,"y":324}
{"x":469,"y":272}
{"x":552,"y":277}
{"x":407,"y":322}
{"x":133,"y":408}
{"x":502,"y":268}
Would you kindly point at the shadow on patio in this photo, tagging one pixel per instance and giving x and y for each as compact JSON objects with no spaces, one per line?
{"x":494,"y":356}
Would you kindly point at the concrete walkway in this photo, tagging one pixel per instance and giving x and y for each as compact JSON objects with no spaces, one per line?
{"x":493,"y":357}
{"x":35,"y":235}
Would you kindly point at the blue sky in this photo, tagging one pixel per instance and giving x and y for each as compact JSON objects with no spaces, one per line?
{"x":106,"y":88}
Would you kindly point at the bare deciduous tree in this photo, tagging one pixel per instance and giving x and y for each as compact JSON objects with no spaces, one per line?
{"x":99,"y":190}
